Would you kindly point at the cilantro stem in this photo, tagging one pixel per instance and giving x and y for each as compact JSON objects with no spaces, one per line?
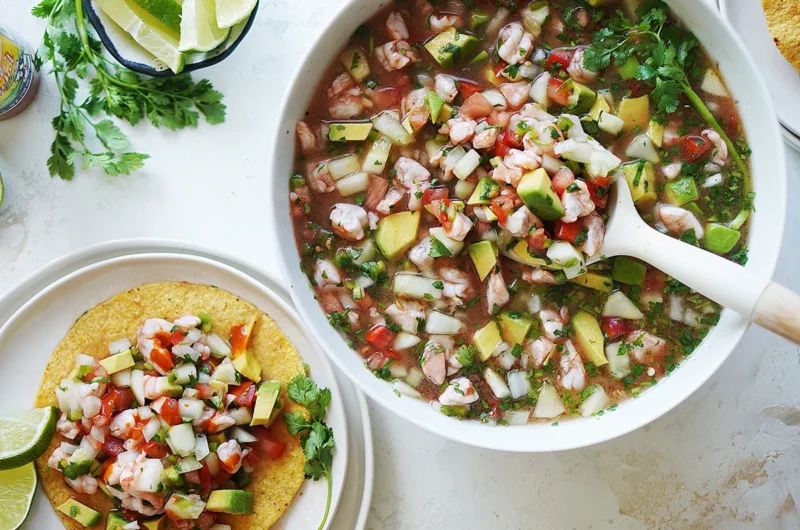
{"x":329,"y":480}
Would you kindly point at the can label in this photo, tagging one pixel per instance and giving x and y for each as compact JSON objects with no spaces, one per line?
{"x":16,"y":74}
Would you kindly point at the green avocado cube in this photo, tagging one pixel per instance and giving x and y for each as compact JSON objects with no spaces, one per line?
{"x":479,"y":19}
{"x":487,"y":339}
{"x":537,"y":192}
{"x":642,"y":182}
{"x":486,"y":190}
{"x":484,"y":256}
{"x":514,"y":326}
{"x":80,"y":512}
{"x":349,"y":132}
{"x":452,"y":47}
{"x":720,"y":239}
{"x":397,"y":233}
{"x":628,"y":271}
{"x":266,"y":398}
{"x":629,"y":68}
{"x":589,"y":338}
{"x":681,"y":191}
{"x":115,"y":521}
{"x":236,"y":502}
{"x":581,"y":99}
{"x":435,"y":104}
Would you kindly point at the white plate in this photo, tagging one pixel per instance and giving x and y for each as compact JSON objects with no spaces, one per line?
{"x":54,"y":308}
{"x":747,"y":18}
{"x":792,"y":139}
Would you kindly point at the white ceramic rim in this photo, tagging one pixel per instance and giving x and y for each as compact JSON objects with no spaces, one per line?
{"x":766,"y":233}
{"x":252,"y":286}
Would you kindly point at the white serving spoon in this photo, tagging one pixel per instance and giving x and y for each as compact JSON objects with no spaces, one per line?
{"x":764,"y":302}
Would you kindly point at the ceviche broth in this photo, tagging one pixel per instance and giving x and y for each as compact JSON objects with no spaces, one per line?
{"x":450,"y":194}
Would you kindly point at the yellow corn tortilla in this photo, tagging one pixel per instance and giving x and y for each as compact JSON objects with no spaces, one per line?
{"x":783,"y":19}
{"x":274,"y":482}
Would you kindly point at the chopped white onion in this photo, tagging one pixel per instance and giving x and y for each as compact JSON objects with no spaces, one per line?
{"x":595,"y":403}
{"x":151,"y":429}
{"x":517,"y":417}
{"x":496,"y":383}
{"x":518,"y":384}
{"x":119,"y":345}
{"x":201,"y":449}
{"x":405,"y":389}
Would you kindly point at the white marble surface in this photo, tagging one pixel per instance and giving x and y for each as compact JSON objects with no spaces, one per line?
{"x":727,"y":458}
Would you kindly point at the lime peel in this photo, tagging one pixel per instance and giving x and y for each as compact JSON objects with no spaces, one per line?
{"x":17,"y":487}
{"x":26,"y":436}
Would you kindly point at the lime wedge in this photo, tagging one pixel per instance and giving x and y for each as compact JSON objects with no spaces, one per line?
{"x":199,"y":31}
{"x":231,"y":12}
{"x":17,"y":487}
{"x":146,"y":30}
{"x":168,"y":12}
{"x":24,"y":437}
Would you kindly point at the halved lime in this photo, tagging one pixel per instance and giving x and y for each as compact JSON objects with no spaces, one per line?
{"x":24,"y":437}
{"x":17,"y":487}
{"x":231,"y":12}
{"x":146,"y":30}
{"x":199,"y":31}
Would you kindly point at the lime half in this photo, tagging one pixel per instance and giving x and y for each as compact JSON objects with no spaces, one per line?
{"x":199,"y":31}
{"x":17,"y":487}
{"x":146,"y":30}
{"x":231,"y":12}
{"x":24,"y":437}
{"x":168,"y":12}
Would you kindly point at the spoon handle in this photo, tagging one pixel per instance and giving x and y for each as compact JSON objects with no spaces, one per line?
{"x":778,"y":310}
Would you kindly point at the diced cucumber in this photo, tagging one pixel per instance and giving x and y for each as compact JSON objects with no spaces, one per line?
{"x":181,"y":439}
{"x":452,"y":245}
{"x":496,"y":383}
{"x":467,"y":165}
{"x":375,"y":161}
{"x":549,"y":404}
{"x":454,"y":156}
{"x":355,"y":63}
{"x":415,"y":377}
{"x":642,"y":147}
{"x":619,"y":366}
{"x":596,"y":402}
{"x":225,"y":372}
{"x":343,"y":166}
{"x":352,"y":184}
{"x":187,"y":464}
{"x":713,"y":84}
{"x":404,"y":341}
{"x":568,"y":257}
{"x":464,"y":188}
{"x":440,"y":324}
{"x":415,"y":286}
{"x":242,"y":436}
{"x":185,"y":373}
{"x":620,"y":306}
{"x":680,"y":191}
{"x":610,"y":123}
{"x":386,"y":124}
{"x":539,"y":89}
{"x":432,"y":147}
{"x":190,"y":409}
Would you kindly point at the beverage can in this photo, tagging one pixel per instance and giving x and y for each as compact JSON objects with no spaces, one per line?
{"x":19,"y":79}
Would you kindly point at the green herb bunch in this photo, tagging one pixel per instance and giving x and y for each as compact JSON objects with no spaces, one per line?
{"x":75,"y":56}
{"x":665,"y":57}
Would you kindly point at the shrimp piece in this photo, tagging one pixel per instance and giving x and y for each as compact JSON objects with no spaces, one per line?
{"x":345,"y":100}
{"x":507,"y":175}
{"x":539,"y":350}
{"x":57,"y":456}
{"x":577,"y":202}
{"x":67,"y":429}
{"x":573,"y":374}
{"x":459,"y":392}
{"x":187,"y":322}
{"x":83,"y":484}
{"x":456,"y":283}
{"x":553,"y":322}
{"x":539,"y":276}
{"x":230,"y":456}
{"x":445,"y":22}
{"x":486,"y":138}
{"x":348,"y":221}
{"x":395,"y":55}
{"x":496,"y":292}
{"x":137,"y":504}
{"x":378,"y":187}
{"x":446,"y":87}
{"x":677,"y":220}
{"x":515,"y":44}
{"x":434,"y":362}
{"x":154,"y":387}
{"x":520,"y":222}
{"x":461,"y":130}
{"x":90,"y":406}
{"x":536,"y":112}
{"x":476,"y":106}
{"x":720,"y":147}
{"x":414,"y":99}
{"x":306,"y":138}
{"x":595,"y":233}
{"x":387,"y":204}
{"x":420,"y":254}
{"x":219,"y":422}
{"x":577,"y":71}
{"x":396,"y":27}
{"x":516,"y":93}
{"x":415,"y":195}
{"x":645,"y":347}
{"x":459,"y":228}
{"x":320,"y":179}
{"x":409,"y":172}
{"x":122,"y":423}
{"x":326,"y":274}
{"x":526,"y":160}
{"x":407,"y":314}
{"x":425,"y":7}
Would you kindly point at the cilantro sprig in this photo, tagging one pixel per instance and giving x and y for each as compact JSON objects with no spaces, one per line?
{"x":665,"y":57}
{"x":76,"y":58}
{"x":315,"y":436}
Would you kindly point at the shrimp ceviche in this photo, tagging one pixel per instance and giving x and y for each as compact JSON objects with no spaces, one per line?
{"x":450,"y":192}
{"x":171,"y":425}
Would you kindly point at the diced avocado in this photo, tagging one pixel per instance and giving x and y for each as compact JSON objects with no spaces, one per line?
{"x":115,"y":521}
{"x":236,"y":502}
{"x":156,"y":524}
{"x":487,"y":339}
{"x":118,"y":362}
{"x":520,"y":253}
{"x":479,"y":19}
{"x":172,"y":477}
{"x":445,"y":114}
{"x":397,"y":233}
{"x":80,"y":512}
{"x":186,"y":507}
{"x":490,"y":76}
{"x":600,"y":105}
{"x":266,"y":397}
{"x":629,"y":68}
{"x":720,"y":239}
{"x":484,"y":55}
{"x":486,"y":190}
{"x":435,"y":104}
{"x":536,"y":191}
{"x":581,"y":99}
{"x":628,"y":271}
{"x":635,"y":112}
{"x":349,"y":132}
{"x":595,"y":280}
{"x":484,"y":256}
{"x":589,"y":337}
{"x":247,"y":365}
{"x":514,"y":326}
{"x":356,"y":63}
{"x":692,"y":207}
{"x":219,"y":438}
{"x":641,"y":180}
{"x":452,"y":47}
{"x":489,"y":213}
{"x":80,"y":371}
{"x":408,"y":126}
{"x":656,"y":133}
{"x":680,"y":191}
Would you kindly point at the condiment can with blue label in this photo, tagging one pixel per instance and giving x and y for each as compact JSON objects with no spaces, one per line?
{"x":19,"y":79}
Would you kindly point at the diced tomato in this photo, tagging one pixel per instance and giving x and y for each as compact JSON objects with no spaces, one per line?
{"x":654,"y":281}
{"x":192,"y":476}
{"x":107,"y":463}
{"x":205,"y":478}
{"x":418,"y":117}
{"x":129,"y":515}
{"x":538,"y":239}
{"x":176,"y":338}
{"x":381,"y":337}
{"x":599,"y":195}
{"x":267,"y":443}
{"x":617,"y":327}
{"x":477,"y":106}
{"x":245,"y":394}
{"x":239,"y":338}
{"x":562,"y":179}
{"x":386,"y":97}
{"x":447,"y":224}
{"x":694,"y":147}
{"x":113,"y":446}
{"x":251,"y":458}
{"x":499,"y":67}
{"x":161,"y":358}
{"x":510,"y":138}
{"x":603,"y":182}
{"x":88,"y":377}
{"x":403,"y":84}
{"x":559,"y":59}
{"x":204,"y":390}
{"x":170,"y":412}
{"x":568,"y":231}
{"x":501,"y":214}
{"x":205,"y":521}
{"x":556,"y":92}
{"x":116,"y":399}
{"x":467,"y":88}
{"x":154,"y":449}
{"x":501,"y":149}
{"x":434,"y":194}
